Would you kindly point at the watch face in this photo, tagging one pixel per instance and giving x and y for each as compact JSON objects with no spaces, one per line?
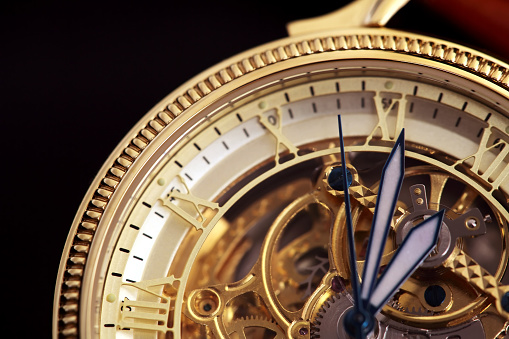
{"x":221,"y":215}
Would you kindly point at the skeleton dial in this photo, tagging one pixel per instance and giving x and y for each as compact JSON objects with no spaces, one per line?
{"x":219,"y":220}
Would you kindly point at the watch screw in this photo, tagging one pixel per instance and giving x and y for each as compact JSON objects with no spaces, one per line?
{"x":335,"y":178}
{"x":336,"y":284}
{"x":472,"y":223}
{"x":205,"y":302}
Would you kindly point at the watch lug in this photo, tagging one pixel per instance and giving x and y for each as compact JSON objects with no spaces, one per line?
{"x":359,"y":13}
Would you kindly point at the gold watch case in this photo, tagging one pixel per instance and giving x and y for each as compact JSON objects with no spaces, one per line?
{"x":207,"y":214}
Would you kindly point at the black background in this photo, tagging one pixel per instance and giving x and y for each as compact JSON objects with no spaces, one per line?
{"x":75,"y":77}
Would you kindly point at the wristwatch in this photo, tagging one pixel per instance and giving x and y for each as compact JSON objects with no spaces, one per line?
{"x":348,"y":181}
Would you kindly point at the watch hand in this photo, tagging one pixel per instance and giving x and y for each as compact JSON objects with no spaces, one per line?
{"x":467,"y":268}
{"x":357,"y":322}
{"x":388,"y":192}
{"x":416,"y":246}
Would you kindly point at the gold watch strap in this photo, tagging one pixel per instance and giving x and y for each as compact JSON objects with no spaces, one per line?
{"x":359,"y":13}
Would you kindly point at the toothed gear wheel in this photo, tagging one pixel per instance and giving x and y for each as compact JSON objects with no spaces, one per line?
{"x":420,"y":311}
{"x":328,"y":317}
{"x":394,"y":303}
{"x":240,"y":325}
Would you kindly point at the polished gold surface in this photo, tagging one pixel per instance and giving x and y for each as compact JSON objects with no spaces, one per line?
{"x":360,"y":13}
{"x":225,"y":192}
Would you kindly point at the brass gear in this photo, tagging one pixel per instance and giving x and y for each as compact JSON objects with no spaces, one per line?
{"x":248,"y":327}
{"x":325,"y":324}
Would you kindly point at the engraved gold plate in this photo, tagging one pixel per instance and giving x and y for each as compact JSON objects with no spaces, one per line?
{"x":216,"y":217}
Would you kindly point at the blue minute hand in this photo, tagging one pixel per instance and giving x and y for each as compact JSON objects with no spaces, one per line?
{"x":356,"y":327}
{"x":388,"y":192}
